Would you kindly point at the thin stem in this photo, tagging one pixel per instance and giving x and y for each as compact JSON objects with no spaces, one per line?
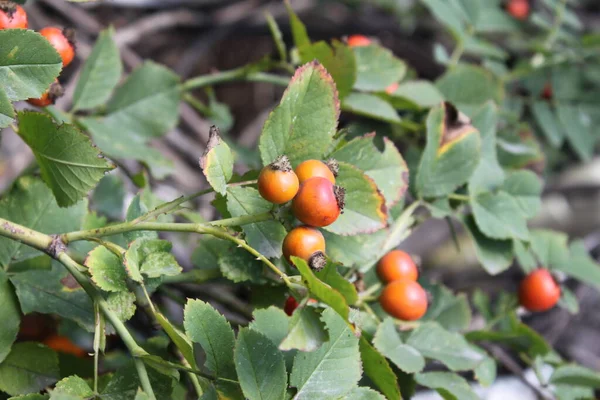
{"x":238,"y":74}
{"x":370,"y":311}
{"x":25,"y":235}
{"x":144,"y":379}
{"x":367,"y":293}
{"x":161,"y":226}
{"x":459,"y":197}
{"x":196,"y":103}
{"x":457,"y":53}
{"x":193,"y":276}
{"x":170,"y":364}
{"x":553,"y":34}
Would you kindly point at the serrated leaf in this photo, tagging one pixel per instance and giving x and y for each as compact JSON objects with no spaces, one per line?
{"x":381,"y":161}
{"x":28,"y":64}
{"x":548,"y":122}
{"x":69,"y":163}
{"x":488,"y":174}
{"x":388,"y":342}
{"x":151,"y":257}
{"x":320,"y":290}
{"x":108,"y":196}
{"x":363,"y":393}
{"x":29,"y":367}
{"x":364,"y":210}
{"x":240,"y":266}
{"x":160,"y":264}
{"x":100,"y":73}
{"x":106,"y":270}
{"x":468,"y":86}
{"x":450,"y":386}
{"x":449,"y":310}
{"x":124,"y":384}
{"x":338,"y":59}
{"x":451,"y":154}
{"x":330,"y":275}
{"x":54,"y":292}
{"x":451,"y":349}
{"x":417,"y":93}
{"x":260,"y":366}
{"x":274,"y":324}
{"x":72,"y":386}
{"x":369,"y":105}
{"x":526,"y":188}
{"x":123,"y":304}
{"x":306,"y":331}
{"x":205,"y":326}
{"x":499,"y":216}
{"x":303,"y":124}
{"x":206,"y":255}
{"x":317,"y":375}
{"x":10,"y":315}
{"x":136,"y":209}
{"x":266,"y":237}
{"x":378,"y":370}
{"x":377,"y":68}
{"x":217,"y":162}
{"x":494,"y":255}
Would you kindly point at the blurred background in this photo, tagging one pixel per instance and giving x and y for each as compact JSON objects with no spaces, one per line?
{"x":195,"y":37}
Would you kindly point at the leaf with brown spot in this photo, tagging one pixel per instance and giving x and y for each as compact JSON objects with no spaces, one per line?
{"x":217,"y":161}
{"x":303,"y":124}
{"x":451,"y":154}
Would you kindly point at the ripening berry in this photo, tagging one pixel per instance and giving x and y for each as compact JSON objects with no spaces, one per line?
{"x":290,"y":305}
{"x":308,"y":244}
{"x":49,"y":96}
{"x":547,"y":91}
{"x":358,"y":41}
{"x":313,"y":168}
{"x":519,"y":9}
{"x":63,"y":344}
{"x":539,"y":291}
{"x":392,"y":88}
{"x":397,"y":265}
{"x":404,"y":300}
{"x":63,"y":41}
{"x":318,"y":202}
{"x":12,"y":16}
{"x":277,"y":182}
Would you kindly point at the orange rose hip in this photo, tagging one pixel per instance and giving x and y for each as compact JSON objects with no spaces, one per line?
{"x":308,"y":244}
{"x":397,"y":265}
{"x":318,"y":202}
{"x":313,"y":168}
{"x":12,"y":16}
{"x":277,"y":182}
{"x":404,"y":300}
{"x":539,"y":291}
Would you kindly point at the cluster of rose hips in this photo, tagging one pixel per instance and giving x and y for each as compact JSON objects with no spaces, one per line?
{"x":316,"y":202}
{"x":13,"y":16}
{"x":402,"y":297}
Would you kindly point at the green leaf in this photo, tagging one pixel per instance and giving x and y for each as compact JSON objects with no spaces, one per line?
{"x":71,"y":386}
{"x":123,"y":304}
{"x":494,"y":255}
{"x":100,"y":73}
{"x":579,"y":265}
{"x":30,"y":203}
{"x":578,"y":129}
{"x":450,"y":386}
{"x":448,"y":14}
{"x":356,"y":250}
{"x":378,"y":370}
{"x":303,"y":124}
{"x":106,"y":270}
{"x":206,"y":255}
{"x":238,"y":265}
{"x":28,"y":64}
{"x":217,"y":162}
{"x":568,"y":300}
{"x":274,"y":324}
{"x":54,"y":292}
{"x":69,"y":163}
{"x":180,"y":340}
{"x":266,"y":237}
{"x":526,"y":189}
{"x":573,"y":374}
{"x":363,"y":393}
{"x":29,"y":367}
{"x":317,"y":375}
{"x":338,"y":60}
{"x":377,"y":68}
{"x":109,"y":196}
{"x":124,"y":384}
{"x":364,"y":210}
{"x":298,"y":28}
{"x":450,"y":311}
{"x":151,"y":257}
{"x":548,"y":122}
{"x":469,"y":86}
{"x":10,"y":315}
{"x":320,"y":290}
{"x":418,"y":93}
{"x":451,"y":349}
{"x":486,"y":372}
{"x":205,"y":326}
{"x":388,"y":342}
{"x":488,"y":174}
{"x":451,"y":154}
{"x":550,"y":247}
{"x":369,"y":105}
{"x":499,"y":216}
{"x":306,"y":331}
{"x":32,"y":396}
{"x":332,"y":277}
{"x":136,"y":209}
{"x":7,"y":113}
{"x":380,"y":160}
{"x":260,"y":366}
